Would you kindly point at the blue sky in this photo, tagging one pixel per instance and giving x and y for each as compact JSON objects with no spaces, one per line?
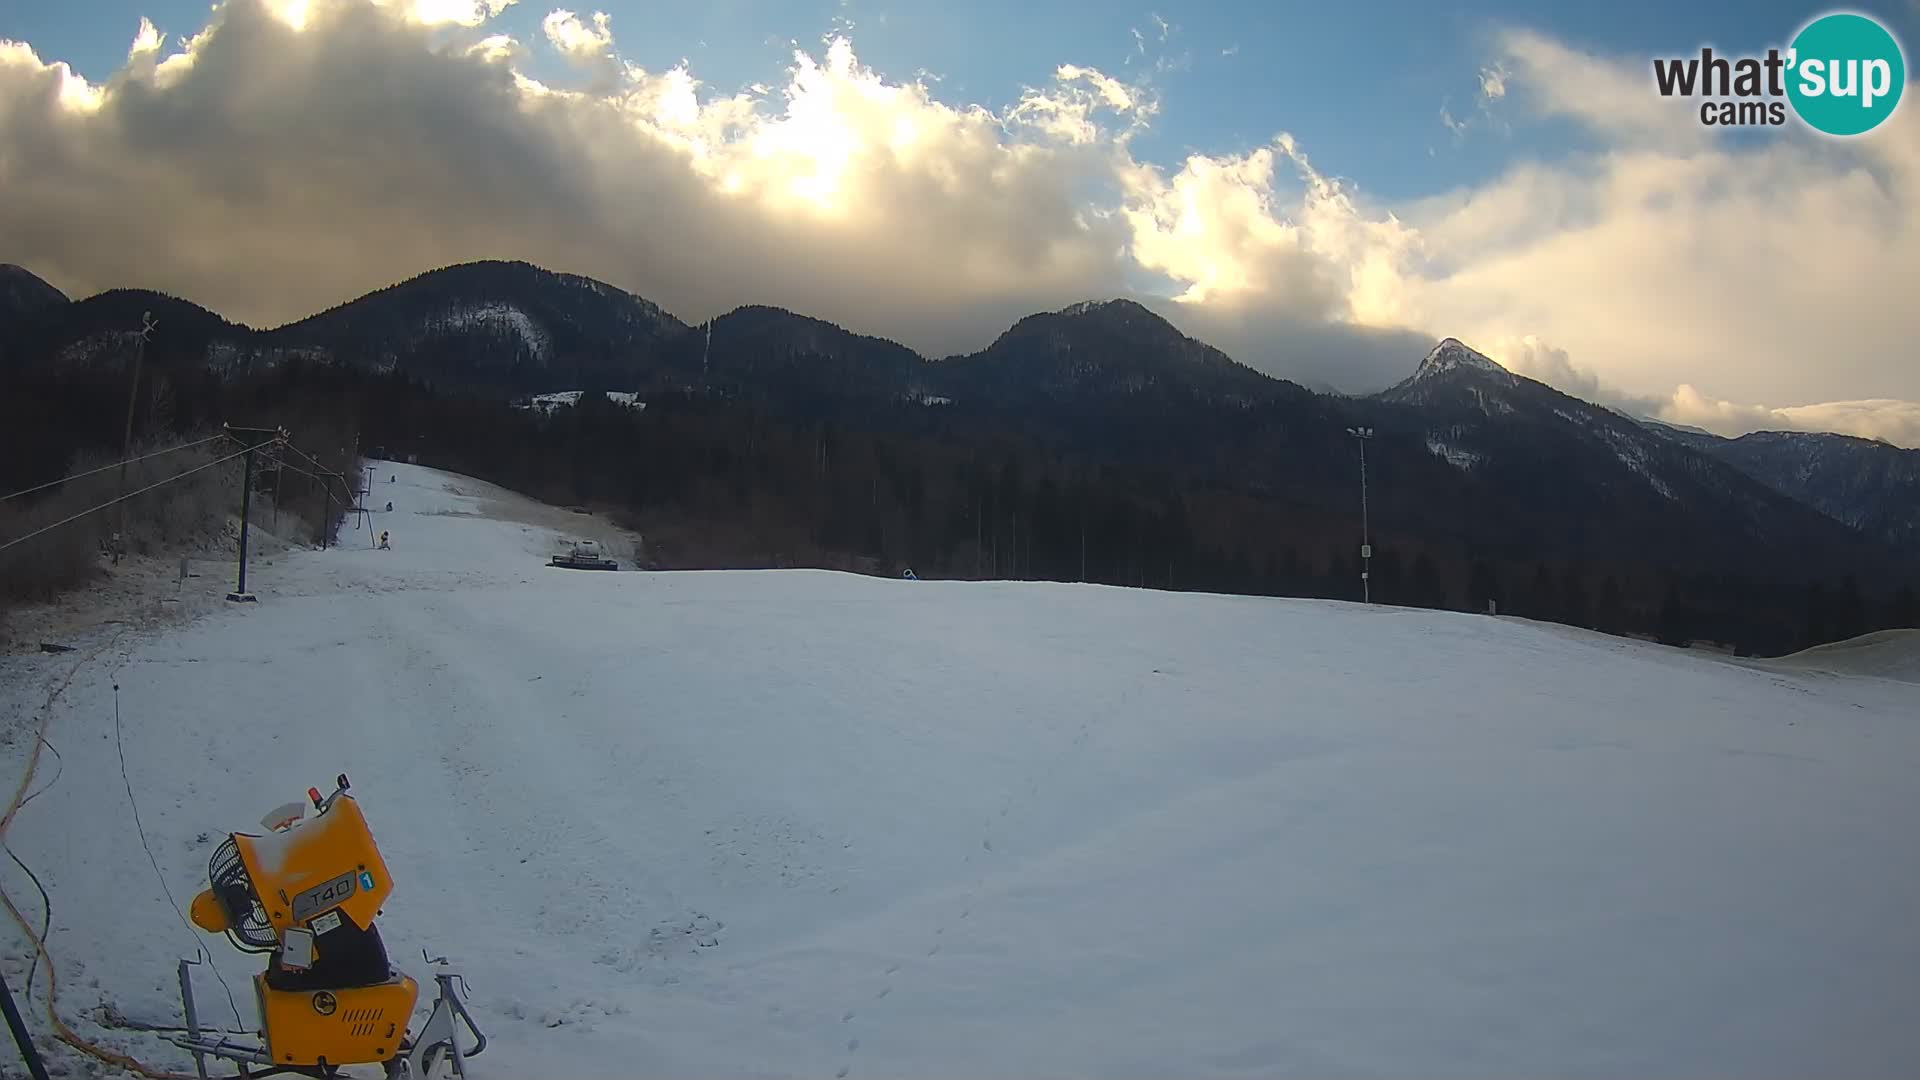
{"x":1360,"y":84}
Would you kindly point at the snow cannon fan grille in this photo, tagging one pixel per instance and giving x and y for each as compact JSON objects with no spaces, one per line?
{"x":247,"y":920}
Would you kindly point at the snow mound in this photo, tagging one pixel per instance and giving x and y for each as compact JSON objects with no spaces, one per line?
{"x":1888,"y":654}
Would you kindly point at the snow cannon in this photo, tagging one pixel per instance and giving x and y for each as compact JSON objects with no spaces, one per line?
{"x":305,"y":894}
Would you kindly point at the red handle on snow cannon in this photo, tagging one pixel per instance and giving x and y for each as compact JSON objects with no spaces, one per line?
{"x":314,"y":793}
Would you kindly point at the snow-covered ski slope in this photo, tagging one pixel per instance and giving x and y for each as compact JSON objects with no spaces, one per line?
{"x":789,"y":823}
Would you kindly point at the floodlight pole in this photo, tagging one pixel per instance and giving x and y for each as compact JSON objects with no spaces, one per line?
{"x":1361,"y":435}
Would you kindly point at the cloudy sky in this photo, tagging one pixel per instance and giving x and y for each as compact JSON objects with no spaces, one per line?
{"x":1321,"y":192}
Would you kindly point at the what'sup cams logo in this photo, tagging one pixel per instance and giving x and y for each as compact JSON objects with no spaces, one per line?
{"x":1843,"y":75}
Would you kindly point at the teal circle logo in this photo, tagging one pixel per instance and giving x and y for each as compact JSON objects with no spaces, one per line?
{"x":1846,"y":74}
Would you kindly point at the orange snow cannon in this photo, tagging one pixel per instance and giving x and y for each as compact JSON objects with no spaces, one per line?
{"x":305,"y":893}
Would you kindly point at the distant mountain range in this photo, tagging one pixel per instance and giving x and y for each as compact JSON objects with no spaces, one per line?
{"x":1465,"y":453}
{"x":1869,"y":485}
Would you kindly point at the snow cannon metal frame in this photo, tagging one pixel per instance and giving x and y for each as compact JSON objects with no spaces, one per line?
{"x":583,"y":555}
{"x":306,"y":893}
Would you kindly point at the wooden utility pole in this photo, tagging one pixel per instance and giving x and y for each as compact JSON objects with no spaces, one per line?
{"x":254,"y":439}
{"x":321,"y":474}
{"x":326,"y":512}
{"x":126,"y":442}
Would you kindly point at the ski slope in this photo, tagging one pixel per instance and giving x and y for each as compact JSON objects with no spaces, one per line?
{"x":806,"y":824}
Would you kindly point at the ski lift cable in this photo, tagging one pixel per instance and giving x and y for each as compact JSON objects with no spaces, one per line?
{"x":313,"y":460}
{"x":324,"y":473}
{"x":115,"y":465}
{"x":281,"y":463}
{"x":68,"y":520}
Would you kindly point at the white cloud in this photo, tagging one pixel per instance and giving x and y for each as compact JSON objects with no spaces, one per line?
{"x":1536,"y":359}
{"x":1212,"y":227}
{"x":1111,"y":90}
{"x":496,"y":48}
{"x":1491,"y":89}
{"x":1493,"y":83}
{"x":364,"y":146}
{"x":575,"y":38}
{"x":57,"y":81}
{"x":1776,"y":271}
{"x":1886,"y":419}
{"x":1069,"y":108}
{"x":1225,"y":229}
{"x":298,"y":14}
{"x":148,"y":40}
{"x":1610,"y":96}
{"x":456,"y":12}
